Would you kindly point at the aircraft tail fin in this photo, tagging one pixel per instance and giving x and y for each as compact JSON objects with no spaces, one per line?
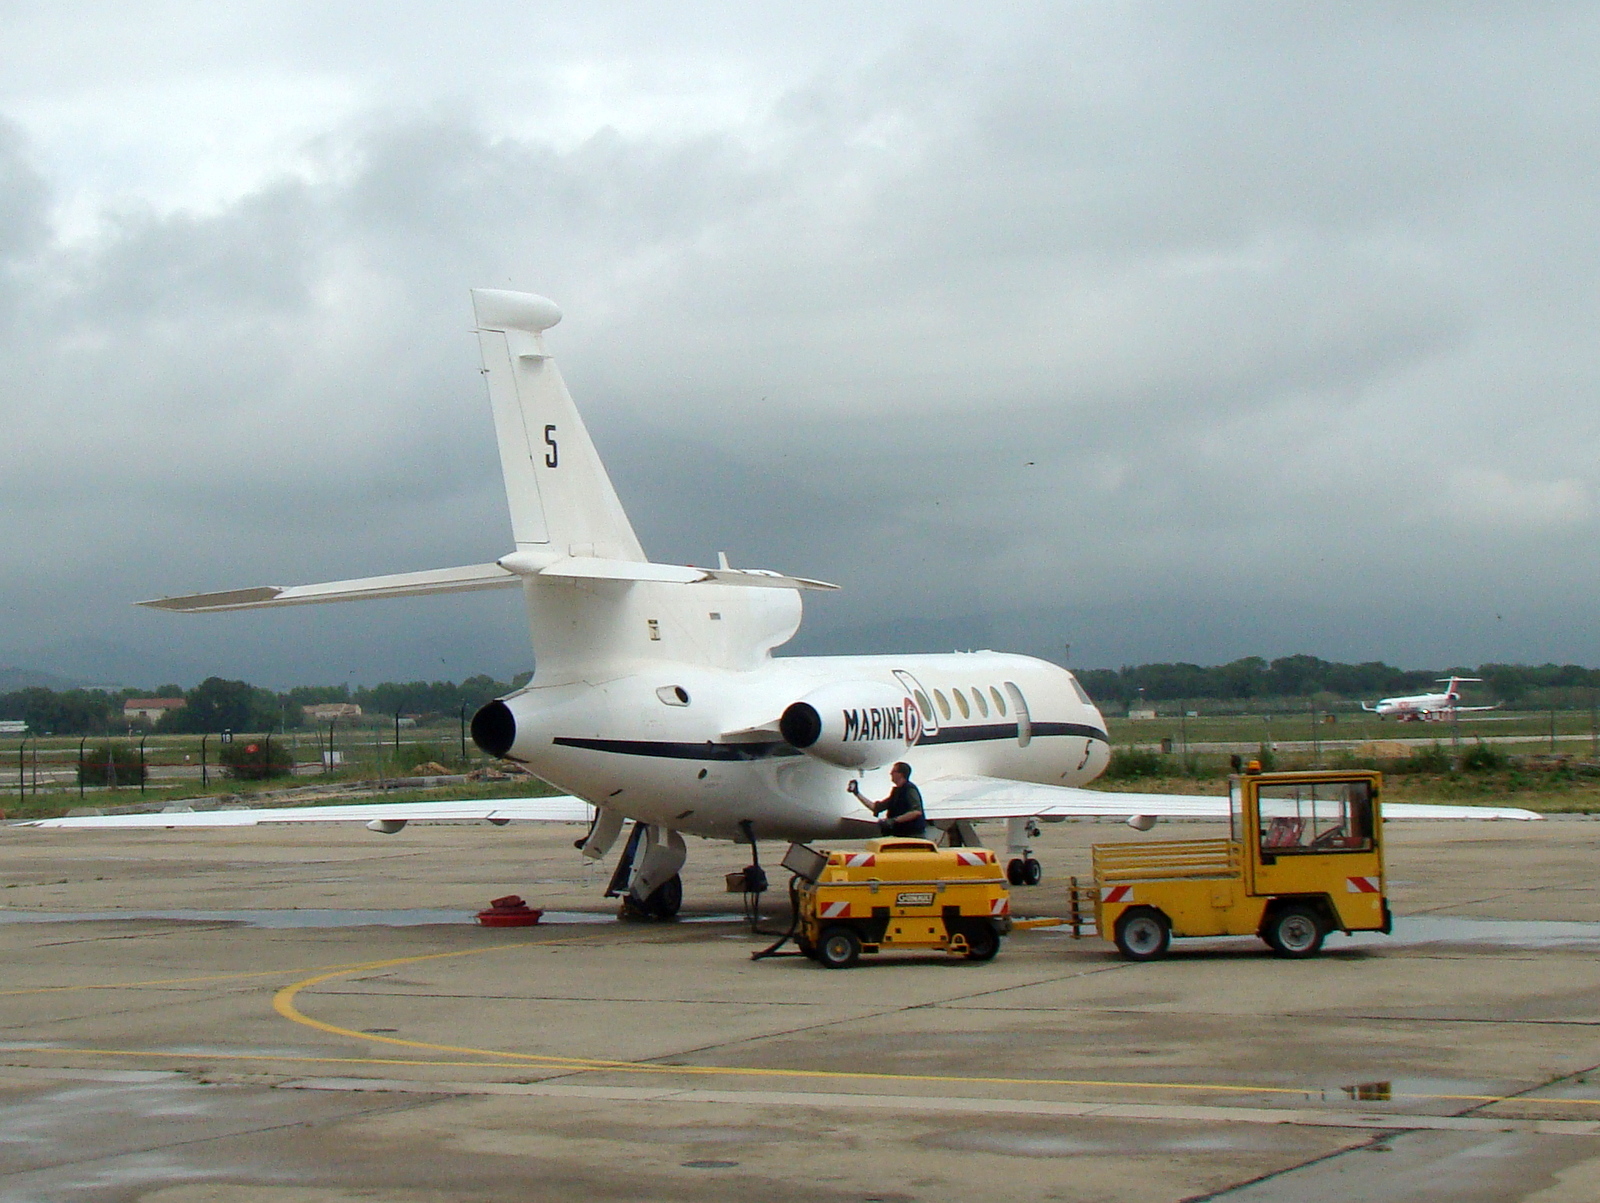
{"x":560,"y":497}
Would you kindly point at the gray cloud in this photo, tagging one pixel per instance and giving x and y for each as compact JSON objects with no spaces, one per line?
{"x":1185,"y":334}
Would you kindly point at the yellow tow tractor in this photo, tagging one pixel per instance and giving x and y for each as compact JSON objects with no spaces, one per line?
{"x":896,"y":893}
{"x":1304,"y":857}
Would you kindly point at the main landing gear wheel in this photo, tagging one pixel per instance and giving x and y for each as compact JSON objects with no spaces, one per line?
{"x":1295,"y":931}
{"x":983,"y":941}
{"x":838,"y":947}
{"x":1024,"y":871}
{"x":664,"y":902}
{"x":1143,"y":934}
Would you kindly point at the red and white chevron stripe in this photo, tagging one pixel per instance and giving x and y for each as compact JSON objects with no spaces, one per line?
{"x":860,"y":860}
{"x":1361,"y":885}
{"x":966,"y":856}
{"x":836,"y":910}
{"x":1116,"y":894}
{"x":1000,"y":906}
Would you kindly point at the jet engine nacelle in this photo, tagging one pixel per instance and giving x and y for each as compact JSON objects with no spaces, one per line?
{"x":856,"y":725}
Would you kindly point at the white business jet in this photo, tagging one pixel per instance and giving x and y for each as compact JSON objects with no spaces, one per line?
{"x":657,"y":699}
{"x":1426,"y":707}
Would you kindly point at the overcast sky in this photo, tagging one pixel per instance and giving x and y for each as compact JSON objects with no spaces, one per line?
{"x":1167,"y":331}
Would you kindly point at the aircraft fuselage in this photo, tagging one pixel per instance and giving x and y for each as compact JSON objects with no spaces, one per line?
{"x":698,"y":750}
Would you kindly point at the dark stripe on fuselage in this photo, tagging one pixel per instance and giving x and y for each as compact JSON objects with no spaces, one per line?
{"x":680,"y":751}
{"x":667,"y":750}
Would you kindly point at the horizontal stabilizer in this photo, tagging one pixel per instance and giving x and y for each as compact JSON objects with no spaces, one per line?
{"x":588,"y":568}
{"x":976,"y":798}
{"x":400,"y":584}
{"x":561,"y":809}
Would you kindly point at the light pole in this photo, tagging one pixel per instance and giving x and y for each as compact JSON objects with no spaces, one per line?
{"x":143,"y":771}
{"x":81,"y":744}
{"x":205,"y":778}
{"x":462,"y":714}
{"x":22,"y":770}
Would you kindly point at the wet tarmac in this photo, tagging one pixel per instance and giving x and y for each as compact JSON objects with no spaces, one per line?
{"x":269,"y":1015}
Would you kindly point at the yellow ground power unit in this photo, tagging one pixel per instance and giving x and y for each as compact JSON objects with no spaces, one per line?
{"x":898,"y":893}
{"x":1303,"y":857}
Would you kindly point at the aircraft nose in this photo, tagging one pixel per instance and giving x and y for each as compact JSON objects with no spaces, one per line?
{"x":494,"y":728}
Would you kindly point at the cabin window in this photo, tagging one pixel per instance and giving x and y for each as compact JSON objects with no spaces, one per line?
{"x":977,"y":697}
{"x":944,"y":705}
{"x":999,"y":701}
{"x":961,"y":703}
{"x":922,"y":705}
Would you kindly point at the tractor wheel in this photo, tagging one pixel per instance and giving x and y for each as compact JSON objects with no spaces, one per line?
{"x":983,"y":941}
{"x":1143,"y":934}
{"x":838,"y":947}
{"x":1295,"y":931}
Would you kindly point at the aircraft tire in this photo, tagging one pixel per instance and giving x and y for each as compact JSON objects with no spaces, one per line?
{"x":838,"y":947}
{"x":666,"y":900}
{"x":1032,"y":872}
{"x":1017,"y":871}
{"x":1143,"y":934}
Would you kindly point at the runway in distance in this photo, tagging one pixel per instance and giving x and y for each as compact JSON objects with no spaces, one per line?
{"x":1426,"y":707}
{"x":656,"y":698}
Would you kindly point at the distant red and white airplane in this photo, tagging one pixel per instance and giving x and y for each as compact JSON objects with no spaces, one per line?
{"x":1426,"y":707}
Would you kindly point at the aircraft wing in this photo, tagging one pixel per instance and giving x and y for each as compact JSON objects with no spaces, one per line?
{"x":976,"y":798}
{"x":562,"y":809}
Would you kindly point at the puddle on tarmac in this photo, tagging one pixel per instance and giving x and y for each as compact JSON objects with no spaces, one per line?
{"x":1104,"y":1142}
{"x":1451,"y":929}
{"x":1413,"y":1089}
{"x":1430,"y":929}
{"x":312,"y":917}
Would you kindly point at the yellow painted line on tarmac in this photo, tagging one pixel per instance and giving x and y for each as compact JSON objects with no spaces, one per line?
{"x":284,"y":1004}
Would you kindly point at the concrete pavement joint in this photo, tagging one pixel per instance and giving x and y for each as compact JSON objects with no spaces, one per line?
{"x":950,"y":1103}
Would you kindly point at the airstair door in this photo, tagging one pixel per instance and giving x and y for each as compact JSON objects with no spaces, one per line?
{"x":930,"y":716}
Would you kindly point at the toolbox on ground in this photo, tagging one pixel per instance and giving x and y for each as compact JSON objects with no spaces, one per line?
{"x":898,"y":893}
{"x":1304,"y":857}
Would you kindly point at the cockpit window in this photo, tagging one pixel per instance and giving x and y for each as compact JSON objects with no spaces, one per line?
{"x":1083,"y":694}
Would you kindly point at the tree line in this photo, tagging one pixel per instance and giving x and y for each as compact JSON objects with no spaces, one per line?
{"x":217,"y":704}
{"x":1254,"y":678}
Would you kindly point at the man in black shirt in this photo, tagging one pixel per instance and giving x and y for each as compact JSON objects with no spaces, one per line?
{"x":903,"y":805}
